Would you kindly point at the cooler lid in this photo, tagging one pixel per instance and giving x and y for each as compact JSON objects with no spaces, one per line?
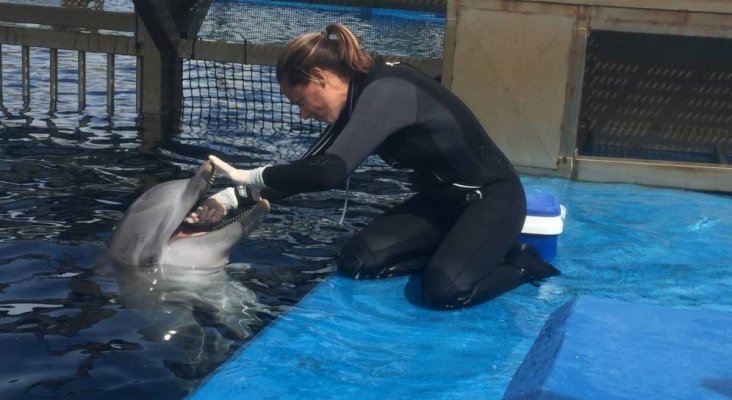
{"x":542,"y":204}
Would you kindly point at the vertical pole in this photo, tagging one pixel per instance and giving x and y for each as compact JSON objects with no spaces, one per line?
{"x":139,"y":86}
{"x":110,"y":84}
{"x":448,"y":54}
{"x":25,"y":72}
{"x":160,"y":74}
{"x":568,"y":139}
{"x":152,"y":106}
{"x":1,"y":78}
{"x":53,"y":89}
{"x":82,"y":80}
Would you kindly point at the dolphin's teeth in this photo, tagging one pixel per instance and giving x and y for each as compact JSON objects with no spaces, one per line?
{"x":228,"y":221}
{"x":236,"y":217}
{"x":202,"y":193}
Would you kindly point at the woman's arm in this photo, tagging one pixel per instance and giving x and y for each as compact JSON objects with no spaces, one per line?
{"x":383,"y":108}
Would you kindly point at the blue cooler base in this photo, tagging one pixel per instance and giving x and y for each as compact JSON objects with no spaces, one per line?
{"x":594,"y":348}
{"x":545,"y":244}
{"x":546,"y":211}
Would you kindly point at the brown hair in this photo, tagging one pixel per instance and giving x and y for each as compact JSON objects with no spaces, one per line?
{"x":336,"y":49}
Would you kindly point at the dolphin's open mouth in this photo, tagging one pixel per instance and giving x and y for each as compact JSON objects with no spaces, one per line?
{"x":152,"y":232}
{"x":201,"y":228}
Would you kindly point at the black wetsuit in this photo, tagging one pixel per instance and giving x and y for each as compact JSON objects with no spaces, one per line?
{"x":469,"y":205}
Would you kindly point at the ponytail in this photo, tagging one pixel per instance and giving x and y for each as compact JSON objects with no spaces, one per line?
{"x":335,"y":49}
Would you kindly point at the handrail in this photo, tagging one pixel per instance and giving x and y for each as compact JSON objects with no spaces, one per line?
{"x":125,"y":33}
{"x":68,"y":17}
{"x":48,"y":38}
{"x":414,"y":5}
{"x":267,"y":54}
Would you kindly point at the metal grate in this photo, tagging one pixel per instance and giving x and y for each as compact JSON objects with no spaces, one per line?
{"x":657,"y":97}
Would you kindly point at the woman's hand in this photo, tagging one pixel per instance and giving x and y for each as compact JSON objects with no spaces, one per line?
{"x":240,"y":177}
{"x":249,"y":179}
{"x":214,"y":208}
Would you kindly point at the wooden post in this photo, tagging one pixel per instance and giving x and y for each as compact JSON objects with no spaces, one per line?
{"x":2,"y":107}
{"x":81,"y":77}
{"x":110,"y":84}
{"x":53,"y":81}
{"x":25,"y":72}
{"x":160,"y":75}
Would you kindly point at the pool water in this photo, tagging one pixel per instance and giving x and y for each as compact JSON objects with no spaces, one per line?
{"x":70,"y":326}
{"x":66,"y":326}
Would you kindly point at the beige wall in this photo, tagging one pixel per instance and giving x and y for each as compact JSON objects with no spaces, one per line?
{"x":519,"y":65}
{"x":512,"y":68}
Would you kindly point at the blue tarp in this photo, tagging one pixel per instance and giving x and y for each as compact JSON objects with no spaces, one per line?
{"x":611,"y":349}
{"x":367,"y":340}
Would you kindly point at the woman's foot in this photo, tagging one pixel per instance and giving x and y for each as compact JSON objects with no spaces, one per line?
{"x":531,"y":264}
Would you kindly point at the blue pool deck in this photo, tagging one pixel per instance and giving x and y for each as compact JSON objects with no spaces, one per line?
{"x":643,"y":309}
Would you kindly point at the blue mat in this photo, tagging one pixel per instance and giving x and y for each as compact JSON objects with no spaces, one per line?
{"x":365,"y":339}
{"x":610,"y":349}
{"x":332,"y":346}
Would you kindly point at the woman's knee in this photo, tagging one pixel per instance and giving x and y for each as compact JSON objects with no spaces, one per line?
{"x":440,"y":291}
{"x":356,"y":259}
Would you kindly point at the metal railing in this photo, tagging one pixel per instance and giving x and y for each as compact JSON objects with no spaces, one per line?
{"x":69,"y":29}
{"x":124,"y":34}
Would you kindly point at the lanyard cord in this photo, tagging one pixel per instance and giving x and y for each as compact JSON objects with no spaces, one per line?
{"x":351,"y":95}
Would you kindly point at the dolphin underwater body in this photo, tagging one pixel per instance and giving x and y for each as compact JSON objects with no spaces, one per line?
{"x":149,"y":233}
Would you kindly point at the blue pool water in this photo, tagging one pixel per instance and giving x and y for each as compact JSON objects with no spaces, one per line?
{"x":69,"y":325}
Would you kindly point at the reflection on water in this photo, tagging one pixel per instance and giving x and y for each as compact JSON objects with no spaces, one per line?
{"x":70,"y":325}
{"x":66,"y":316}
{"x":106,"y":5}
{"x":395,"y":32}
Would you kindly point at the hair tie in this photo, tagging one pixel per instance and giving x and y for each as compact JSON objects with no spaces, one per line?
{"x":325,"y":34}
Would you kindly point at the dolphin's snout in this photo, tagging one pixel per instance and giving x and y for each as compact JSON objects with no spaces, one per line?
{"x":151,"y":226}
{"x":255,"y":216}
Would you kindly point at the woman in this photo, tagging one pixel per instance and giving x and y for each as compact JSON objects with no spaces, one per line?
{"x":469,"y":205}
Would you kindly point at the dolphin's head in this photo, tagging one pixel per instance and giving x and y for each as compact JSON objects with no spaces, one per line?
{"x":149,"y":233}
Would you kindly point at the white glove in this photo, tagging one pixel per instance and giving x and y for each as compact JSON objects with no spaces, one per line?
{"x":249,"y":192}
{"x":241,"y":177}
{"x":214,"y":208}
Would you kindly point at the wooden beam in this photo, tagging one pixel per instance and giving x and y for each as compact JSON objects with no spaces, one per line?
{"x":412,"y":5}
{"x":267,"y":54}
{"x":190,"y":17}
{"x":695,"y":176}
{"x":50,"y":38}
{"x":158,"y":19}
{"x":703,"y":6}
{"x":68,"y":17}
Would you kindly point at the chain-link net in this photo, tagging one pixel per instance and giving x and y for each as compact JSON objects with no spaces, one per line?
{"x":243,"y":104}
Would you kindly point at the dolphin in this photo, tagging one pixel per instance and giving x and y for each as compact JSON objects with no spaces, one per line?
{"x":162,"y":264}
{"x":150,"y":235}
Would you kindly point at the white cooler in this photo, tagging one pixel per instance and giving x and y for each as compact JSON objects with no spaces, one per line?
{"x":544,"y":223}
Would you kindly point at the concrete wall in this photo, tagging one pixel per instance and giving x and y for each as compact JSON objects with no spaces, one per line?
{"x":519,"y":65}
